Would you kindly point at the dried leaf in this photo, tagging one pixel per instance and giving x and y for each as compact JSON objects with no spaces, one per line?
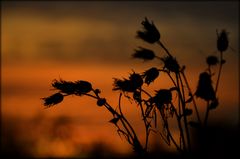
{"x":114,"y":120}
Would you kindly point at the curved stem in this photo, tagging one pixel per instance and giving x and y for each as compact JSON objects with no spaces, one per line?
{"x":122,"y":116}
{"x":184,"y":116}
{"x":183,"y":110}
{"x":165,"y":49}
{"x":168,"y":131}
{"x":145,"y":122}
{"x":146,"y":93}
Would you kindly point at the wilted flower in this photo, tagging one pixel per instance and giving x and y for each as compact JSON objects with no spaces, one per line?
{"x":150,"y":75}
{"x":171,"y":64}
{"x":144,"y":54}
{"x":222,"y":41}
{"x":163,"y":96}
{"x":134,"y":82}
{"x":53,"y":99}
{"x":150,"y":33}
{"x":205,"y":89}
{"x":83,"y":87}
{"x":212,"y":60}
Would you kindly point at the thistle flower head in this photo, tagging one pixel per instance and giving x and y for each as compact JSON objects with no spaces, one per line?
{"x":68,"y":87}
{"x":205,"y":89}
{"x":150,"y":33}
{"x":134,"y":82}
{"x":150,"y":75}
{"x":143,"y":53}
{"x":64,"y":86}
{"x":83,"y":87}
{"x":53,"y":99}
{"x":163,"y":96}
{"x":222,"y":41}
{"x":171,"y":64}
{"x":212,"y":60}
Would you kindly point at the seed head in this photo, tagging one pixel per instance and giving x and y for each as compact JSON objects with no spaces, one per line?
{"x":222,"y":41}
{"x":83,"y":87}
{"x":134,"y":82}
{"x":150,"y":33}
{"x":171,"y":64}
{"x":205,"y":89}
{"x":53,"y":99}
{"x":67,"y":87}
{"x":150,"y":75}
{"x":143,"y":53}
{"x":163,"y":96}
{"x":212,"y":60}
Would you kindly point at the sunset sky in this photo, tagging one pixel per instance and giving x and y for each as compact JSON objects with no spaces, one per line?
{"x":93,"y":41}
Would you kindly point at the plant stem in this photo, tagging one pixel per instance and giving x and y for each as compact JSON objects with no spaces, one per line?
{"x":220,"y":70}
{"x":168,"y":131}
{"x":217,"y":83}
{"x":194,"y":102}
{"x":166,"y":50}
{"x":184,"y":108}
{"x":145,"y":121}
{"x":207,"y":114}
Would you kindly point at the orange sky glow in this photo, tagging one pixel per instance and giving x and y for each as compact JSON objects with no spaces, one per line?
{"x":37,"y":48}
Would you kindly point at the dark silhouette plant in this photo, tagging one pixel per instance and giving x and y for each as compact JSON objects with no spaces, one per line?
{"x":158,"y":106}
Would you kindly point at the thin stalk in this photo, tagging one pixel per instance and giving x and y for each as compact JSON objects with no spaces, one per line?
{"x":181,"y":129}
{"x":165,"y":49}
{"x":207,"y":114}
{"x":169,"y":133}
{"x":194,"y":102}
{"x":122,"y":116}
{"x":145,"y":122}
{"x":184,"y":116}
{"x":183,"y":110}
{"x":220,"y":70}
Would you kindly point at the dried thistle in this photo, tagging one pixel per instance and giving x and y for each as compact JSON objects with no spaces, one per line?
{"x":150,"y":75}
{"x":68,"y":87}
{"x":134,"y":82}
{"x":150,"y":33}
{"x":53,"y":99}
{"x":212,"y":60}
{"x":64,"y":86}
{"x":83,"y":87}
{"x":171,"y":64}
{"x":143,"y":53}
{"x":205,"y":89}
{"x":222,"y":41}
{"x":163,"y":96}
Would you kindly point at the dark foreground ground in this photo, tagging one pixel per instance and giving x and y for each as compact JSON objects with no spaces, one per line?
{"x":215,"y":142}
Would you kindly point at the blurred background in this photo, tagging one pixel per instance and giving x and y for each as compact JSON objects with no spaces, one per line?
{"x":93,"y":41}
